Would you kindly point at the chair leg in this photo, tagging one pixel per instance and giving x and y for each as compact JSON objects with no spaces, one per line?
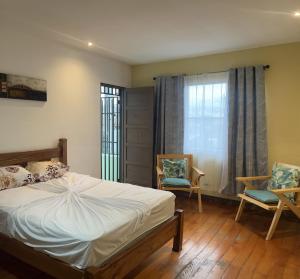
{"x":191,"y":192}
{"x":275,"y":220}
{"x":199,"y":201}
{"x":240,"y":210}
{"x":287,"y":202}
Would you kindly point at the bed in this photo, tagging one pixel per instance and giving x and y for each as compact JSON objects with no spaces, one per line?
{"x":133,"y":234}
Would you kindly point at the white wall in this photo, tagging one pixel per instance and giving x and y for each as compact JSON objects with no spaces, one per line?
{"x":73,"y":107}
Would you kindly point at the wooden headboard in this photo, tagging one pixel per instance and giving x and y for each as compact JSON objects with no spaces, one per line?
{"x":22,"y":158}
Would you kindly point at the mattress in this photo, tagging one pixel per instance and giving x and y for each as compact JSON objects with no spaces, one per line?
{"x":82,"y":220}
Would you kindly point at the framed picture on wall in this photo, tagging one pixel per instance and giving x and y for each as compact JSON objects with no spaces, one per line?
{"x":21,"y":87}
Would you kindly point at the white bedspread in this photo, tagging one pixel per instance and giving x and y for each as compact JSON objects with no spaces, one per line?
{"x":79,"y":219}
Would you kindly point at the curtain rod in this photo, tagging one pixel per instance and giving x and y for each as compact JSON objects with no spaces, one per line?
{"x":265,"y":68}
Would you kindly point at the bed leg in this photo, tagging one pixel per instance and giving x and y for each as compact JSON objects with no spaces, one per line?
{"x":177,"y":242}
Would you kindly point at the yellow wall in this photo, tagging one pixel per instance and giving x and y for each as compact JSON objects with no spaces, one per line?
{"x":282,"y":89}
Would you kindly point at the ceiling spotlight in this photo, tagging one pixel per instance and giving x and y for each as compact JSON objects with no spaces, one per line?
{"x":90,"y":44}
{"x":296,"y":13}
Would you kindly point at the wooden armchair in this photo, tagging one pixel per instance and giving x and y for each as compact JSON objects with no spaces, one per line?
{"x":275,"y":200}
{"x":193,"y":176}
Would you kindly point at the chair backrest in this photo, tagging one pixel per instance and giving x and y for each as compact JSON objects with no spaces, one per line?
{"x":297,"y":195}
{"x":189,"y":158}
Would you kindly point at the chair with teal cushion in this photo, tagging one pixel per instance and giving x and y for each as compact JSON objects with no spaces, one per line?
{"x":283,"y":193}
{"x":176,"y":173}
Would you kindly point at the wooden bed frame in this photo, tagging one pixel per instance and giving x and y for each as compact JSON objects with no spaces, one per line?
{"x":118,"y":265}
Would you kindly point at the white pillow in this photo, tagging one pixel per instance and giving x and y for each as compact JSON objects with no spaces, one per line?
{"x":14,"y":176}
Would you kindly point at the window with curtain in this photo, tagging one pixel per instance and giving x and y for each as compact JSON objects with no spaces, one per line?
{"x":206,"y":126}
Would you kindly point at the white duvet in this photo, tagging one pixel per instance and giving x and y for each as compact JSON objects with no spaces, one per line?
{"x":79,"y":219}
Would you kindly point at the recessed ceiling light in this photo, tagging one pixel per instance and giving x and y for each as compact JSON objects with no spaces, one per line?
{"x":296,"y":13}
{"x":90,"y":44}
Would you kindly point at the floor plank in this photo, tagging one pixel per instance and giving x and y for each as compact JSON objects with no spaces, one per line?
{"x":214,"y":247}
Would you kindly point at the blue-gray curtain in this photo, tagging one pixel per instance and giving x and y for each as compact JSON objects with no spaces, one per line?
{"x":168,"y":122}
{"x":247,"y":134}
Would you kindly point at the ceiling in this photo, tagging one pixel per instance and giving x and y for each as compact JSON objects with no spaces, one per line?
{"x":143,"y":31}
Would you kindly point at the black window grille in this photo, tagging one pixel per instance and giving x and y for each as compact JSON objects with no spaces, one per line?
{"x":111,"y":132}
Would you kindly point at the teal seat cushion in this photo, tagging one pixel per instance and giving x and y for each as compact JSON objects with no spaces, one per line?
{"x":175,"y":182}
{"x":262,"y":196}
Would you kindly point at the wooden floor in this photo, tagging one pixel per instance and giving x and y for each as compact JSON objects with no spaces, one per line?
{"x":214,"y":247}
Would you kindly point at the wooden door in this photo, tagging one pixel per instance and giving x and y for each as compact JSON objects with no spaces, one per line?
{"x":138,"y":136}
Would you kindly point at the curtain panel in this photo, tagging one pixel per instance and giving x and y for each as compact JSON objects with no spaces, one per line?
{"x":247,"y":133}
{"x":168,"y":121}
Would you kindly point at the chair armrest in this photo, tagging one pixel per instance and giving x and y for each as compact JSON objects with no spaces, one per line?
{"x":199,"y":172}
{"x":197,"y":176}
{"x":287,"y":190}
{"x":160,"y":174}
{"x":246,"y":180}
{"x":252,"y":178}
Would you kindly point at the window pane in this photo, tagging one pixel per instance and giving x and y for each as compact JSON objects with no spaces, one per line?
{"x":205,"y":125}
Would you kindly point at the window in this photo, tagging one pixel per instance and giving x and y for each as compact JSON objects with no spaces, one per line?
{"x":111,"y":132}
{"x":206,"y":126}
